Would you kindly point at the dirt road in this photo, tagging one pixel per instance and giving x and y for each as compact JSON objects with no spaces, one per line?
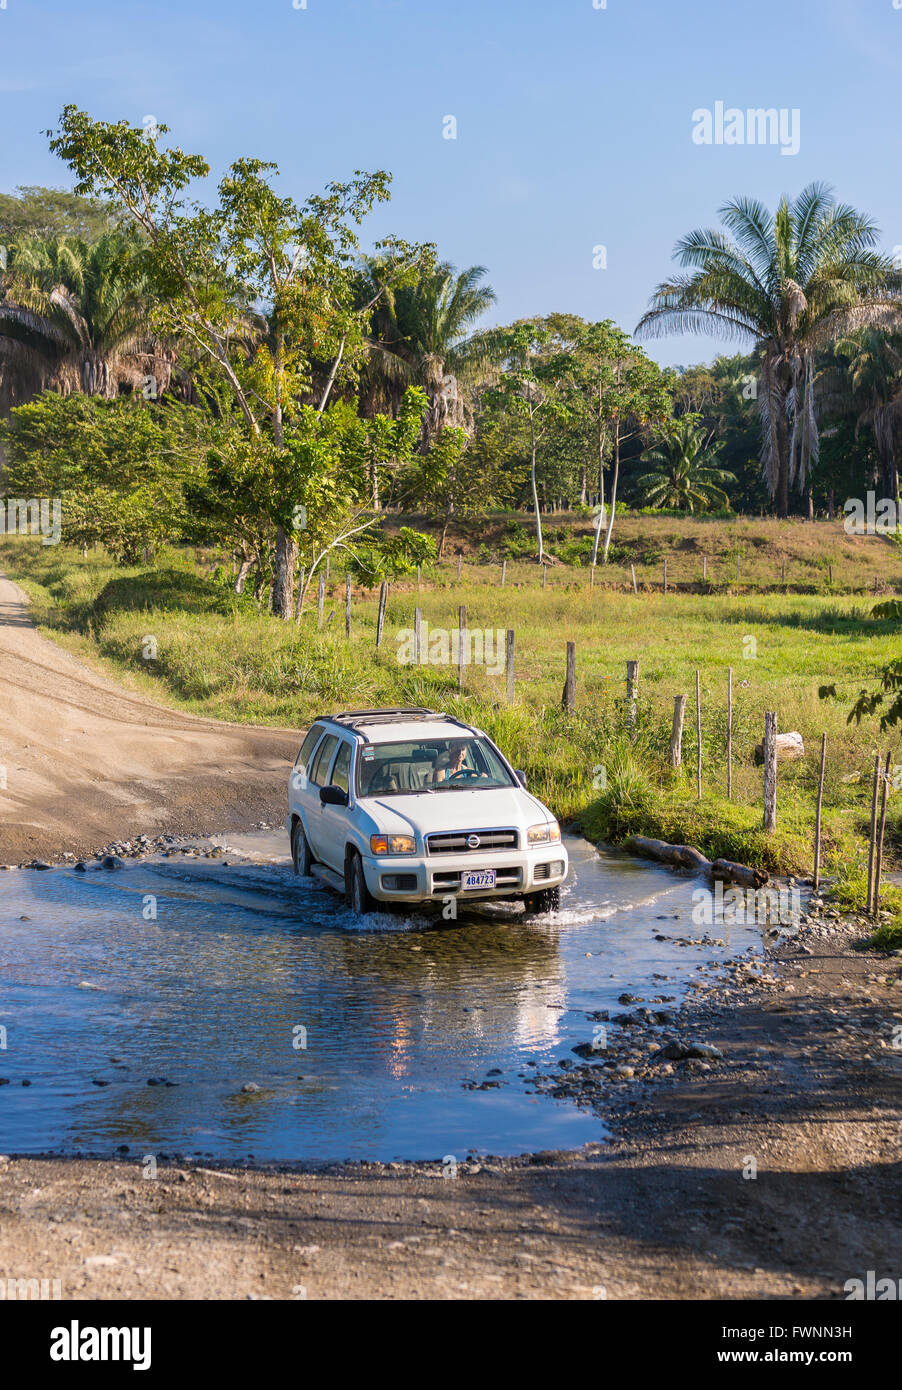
{"x":87,"y":762}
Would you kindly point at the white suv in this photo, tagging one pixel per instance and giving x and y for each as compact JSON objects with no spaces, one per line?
{"x":409,"y":806}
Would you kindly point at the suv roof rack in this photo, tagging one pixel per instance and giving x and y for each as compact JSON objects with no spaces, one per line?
{"x":353,"y":718}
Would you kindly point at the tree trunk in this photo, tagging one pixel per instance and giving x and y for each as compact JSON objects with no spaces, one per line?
{"x":783,"y":464}
{"x":532,"y":479}
{"x":244,"y":566}
{"x":602,"y":433}
{"x":283,"y":578}
{"x":447,"y":523}
{"x":607,"y":539}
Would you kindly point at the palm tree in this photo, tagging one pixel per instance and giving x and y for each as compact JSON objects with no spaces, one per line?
{"x":791,"y":282}
{"x":420,"y":335}
{"x":684,"y":479}
{"x":74,"y":316}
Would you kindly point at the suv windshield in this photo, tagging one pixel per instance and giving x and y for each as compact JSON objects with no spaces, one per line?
{"x":432,"y":765}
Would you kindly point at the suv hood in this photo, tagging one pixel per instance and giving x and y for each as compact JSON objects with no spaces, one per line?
{"x":464,"y":810}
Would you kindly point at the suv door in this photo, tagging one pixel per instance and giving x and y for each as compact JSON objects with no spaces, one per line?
{"x":318,"y":776}
{"x":334,"y":820}
{"x":299,"y":797}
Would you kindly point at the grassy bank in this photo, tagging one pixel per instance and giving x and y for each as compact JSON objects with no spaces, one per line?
{"x":704,"y":555}
{"x":178,"y":633}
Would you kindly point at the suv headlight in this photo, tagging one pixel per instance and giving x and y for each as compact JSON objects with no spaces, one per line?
{"x":548,"y":833}
{"x":393,"y":844}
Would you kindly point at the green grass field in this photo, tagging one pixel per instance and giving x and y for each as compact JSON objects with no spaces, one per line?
{"x":219,"y":655}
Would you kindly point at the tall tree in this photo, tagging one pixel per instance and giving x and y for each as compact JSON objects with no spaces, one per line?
{"x":45,"y":213}
{"x":255,"y":247}
{"x":82,"y":307}
{"x":684,"y":475}
{"x":791,"y":282}
{"x":533,"y":384}
{"x":421,"y":335}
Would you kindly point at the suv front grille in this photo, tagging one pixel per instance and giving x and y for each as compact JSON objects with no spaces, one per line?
{"x":455,"y":841}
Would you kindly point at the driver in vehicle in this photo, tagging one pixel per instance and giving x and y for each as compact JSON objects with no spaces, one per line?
{"x":453,"y":762}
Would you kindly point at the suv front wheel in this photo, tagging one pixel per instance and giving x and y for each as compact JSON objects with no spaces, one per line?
{"x":357,"y":895}
{"x":548,"y":900}
{"x":300,"y":851}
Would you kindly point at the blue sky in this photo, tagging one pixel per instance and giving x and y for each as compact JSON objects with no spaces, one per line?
{"x":574,"y":124}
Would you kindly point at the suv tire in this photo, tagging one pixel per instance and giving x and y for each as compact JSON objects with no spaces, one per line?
{"x":548,"y":900}
{"x":301,"y":857}
{"x":358,"y":897}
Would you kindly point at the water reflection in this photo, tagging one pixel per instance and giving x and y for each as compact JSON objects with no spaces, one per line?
{"x":358,"y":1035}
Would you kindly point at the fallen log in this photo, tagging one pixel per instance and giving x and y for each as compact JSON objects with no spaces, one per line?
{"x":728,"y":872}
{"x":688,"y":857}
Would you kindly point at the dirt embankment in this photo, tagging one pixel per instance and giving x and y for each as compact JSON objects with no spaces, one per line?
{"x":85,"y":762}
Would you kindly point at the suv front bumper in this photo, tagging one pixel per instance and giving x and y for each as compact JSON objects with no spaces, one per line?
{"x":417,"y":878}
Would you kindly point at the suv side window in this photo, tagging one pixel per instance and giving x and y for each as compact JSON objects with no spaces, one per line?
{"x":316,"y":776}
{"x":342,"y":768}
{"x":307,"y":747}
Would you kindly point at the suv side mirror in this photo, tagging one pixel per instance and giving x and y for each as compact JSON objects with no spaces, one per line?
{"x":521,"y":776}
{"x":333,"y":796}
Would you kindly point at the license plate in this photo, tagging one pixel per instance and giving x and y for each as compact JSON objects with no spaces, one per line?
{"x":477,"y":878}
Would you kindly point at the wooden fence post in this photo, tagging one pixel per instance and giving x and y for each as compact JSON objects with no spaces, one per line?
{"x":817,"y":819}
{"x":632,"y":690}
{"x":380,"y":620}
{"x":320,"y":600}
{"x":509,"y":664}
{"x":698,"y":735}
{"x":729,"y":733}
{"x":879,"y":865}
{"x":544,"y":575}
{"x":872,"y":848}
{"x":301,"y":581}
{"x":460,"y":560}
{"x":704,"y":567}
{"x":418,"y":636}
{"x":633,"y":573}
{"x":665,"y":574}
{"x":419,"y":576}
{"x":347,"y":605}
{"x":503,"y":572}
{"x":569,"y":700}
{"x":462,"y":643}
{"x":737,"y":569}
{"x":770,"y":771}
{"x":676,"y":735}
{"x":783,"y":571}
